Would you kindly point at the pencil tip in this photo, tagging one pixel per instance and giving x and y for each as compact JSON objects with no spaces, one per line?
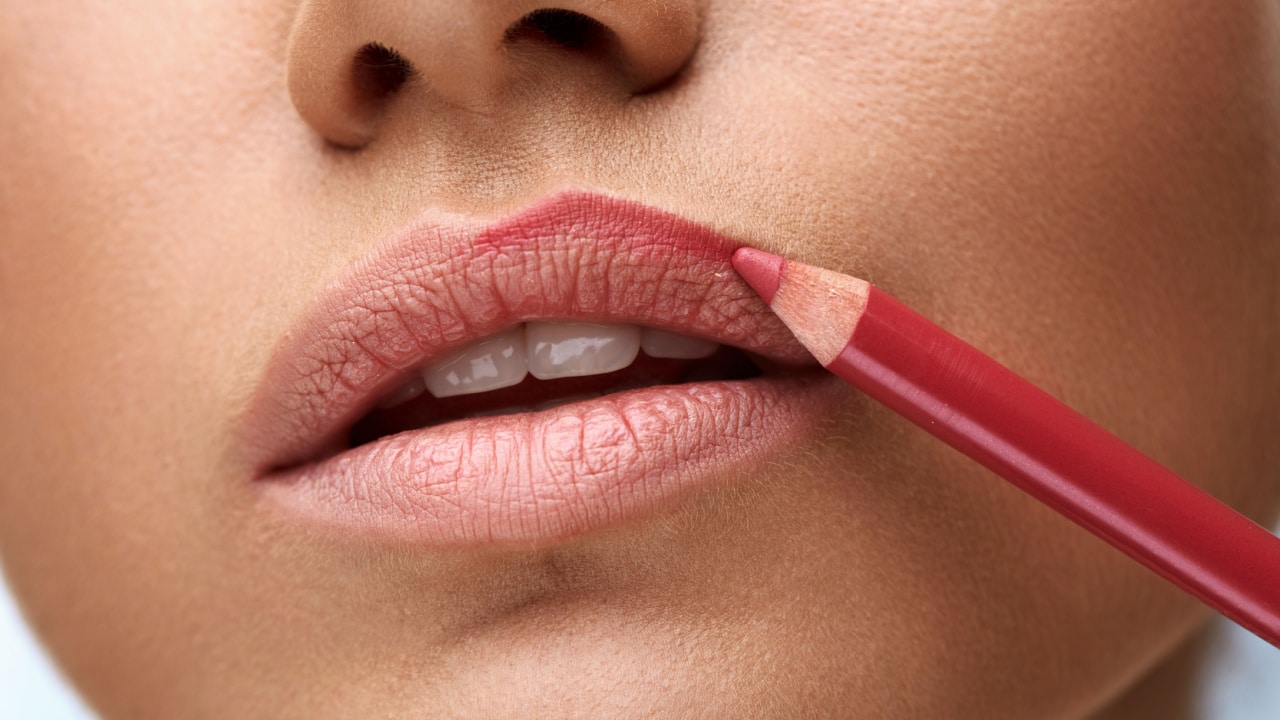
{"x":761,"y":270}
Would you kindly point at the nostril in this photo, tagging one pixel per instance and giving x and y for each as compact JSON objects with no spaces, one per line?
{"x":379,"y":72}
{"x":565,"y":28}
{"x":349,"y":70}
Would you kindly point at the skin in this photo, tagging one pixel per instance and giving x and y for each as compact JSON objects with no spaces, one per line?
{"x":1084,"y":190}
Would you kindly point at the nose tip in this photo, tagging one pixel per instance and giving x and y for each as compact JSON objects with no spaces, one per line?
{"x":347,"y":59}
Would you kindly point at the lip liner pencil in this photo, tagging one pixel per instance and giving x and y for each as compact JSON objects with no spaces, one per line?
{"x":984,"y":410}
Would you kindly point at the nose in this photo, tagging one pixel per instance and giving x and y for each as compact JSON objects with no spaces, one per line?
{"x":348,"y":58}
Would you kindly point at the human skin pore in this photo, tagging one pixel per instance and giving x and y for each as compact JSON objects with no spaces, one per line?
{"x":1087,"y":191}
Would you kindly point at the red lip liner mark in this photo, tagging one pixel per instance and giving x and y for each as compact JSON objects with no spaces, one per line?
{"x":1026,"y":436}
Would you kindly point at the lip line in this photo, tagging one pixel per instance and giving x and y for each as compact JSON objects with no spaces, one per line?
{"x":386,"y":316}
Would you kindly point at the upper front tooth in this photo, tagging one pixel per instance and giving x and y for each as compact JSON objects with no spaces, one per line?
{"x":567,"y":349}
{"x":492,"y":363}
{"x":662,"y":344}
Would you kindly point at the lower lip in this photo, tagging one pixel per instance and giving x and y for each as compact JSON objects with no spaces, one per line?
{"x":538,"y":478}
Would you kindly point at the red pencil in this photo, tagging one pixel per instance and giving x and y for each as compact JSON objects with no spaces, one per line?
{"x":1023,"y":434}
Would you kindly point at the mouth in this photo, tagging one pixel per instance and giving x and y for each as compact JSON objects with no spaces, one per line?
{"x":542,"y":365}
{"x":581,"y":364}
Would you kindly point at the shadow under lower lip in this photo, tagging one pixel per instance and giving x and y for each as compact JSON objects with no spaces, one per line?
{"x":427,"y":411}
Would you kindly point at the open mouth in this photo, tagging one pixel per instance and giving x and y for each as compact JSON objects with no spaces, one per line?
{"x":580,"y":364}
{"x":543,"y":365}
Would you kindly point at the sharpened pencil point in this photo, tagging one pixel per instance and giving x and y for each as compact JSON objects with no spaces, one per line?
{"x":761,"y":270}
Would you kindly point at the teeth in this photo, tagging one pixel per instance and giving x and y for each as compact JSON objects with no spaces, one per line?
{"x":662,"y":344}
{"x":547,"y":350}
{"x":559,"y":350}
{"x":492,"y":363}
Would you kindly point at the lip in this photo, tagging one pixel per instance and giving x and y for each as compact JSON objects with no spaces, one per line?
{"x":527,"y":478}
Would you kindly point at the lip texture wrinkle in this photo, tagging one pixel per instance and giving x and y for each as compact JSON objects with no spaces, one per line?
{"x":531,"y":477}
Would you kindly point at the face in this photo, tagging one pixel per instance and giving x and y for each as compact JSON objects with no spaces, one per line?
{"x":231,"y":229}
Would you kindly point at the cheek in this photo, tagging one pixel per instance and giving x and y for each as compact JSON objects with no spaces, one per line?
{"x":1084,"y":191}
{"x":136,"y":216}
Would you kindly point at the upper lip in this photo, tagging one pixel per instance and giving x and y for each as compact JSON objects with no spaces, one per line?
{"x":435,"y":288}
